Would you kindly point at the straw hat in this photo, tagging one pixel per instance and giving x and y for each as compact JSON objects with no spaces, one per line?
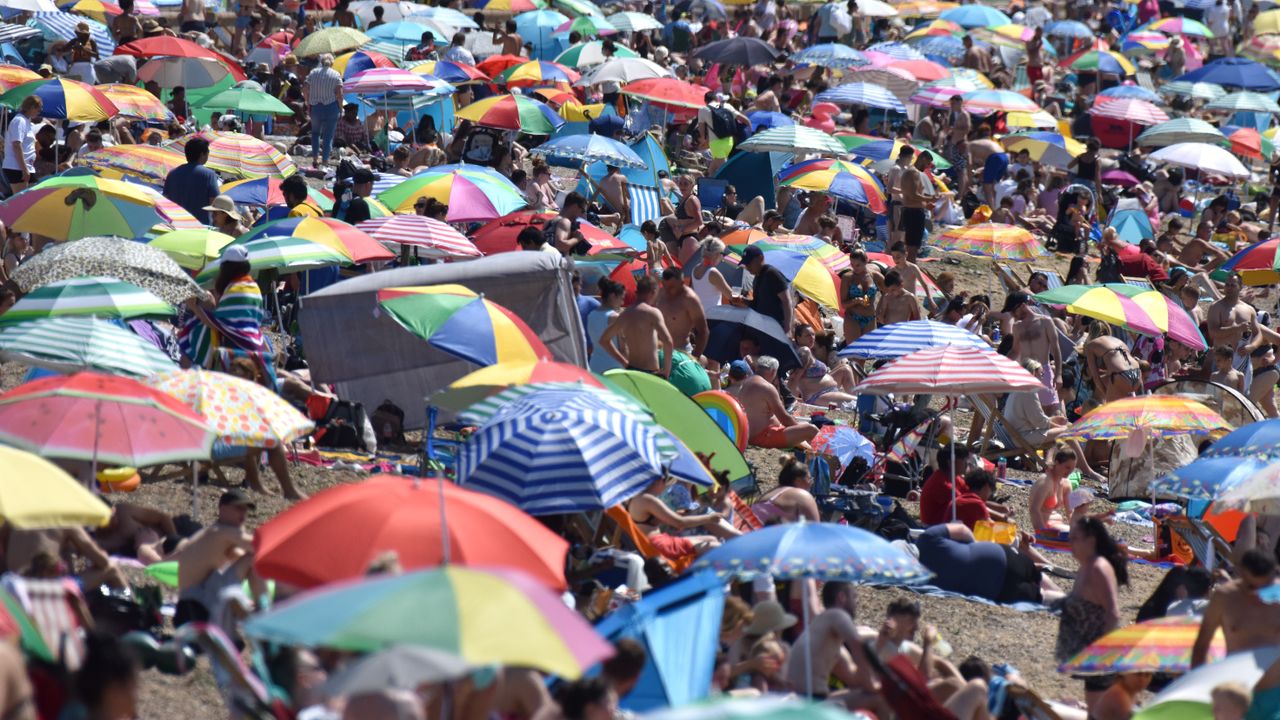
{"x":224,"y":203}
{"x":769,"y":617}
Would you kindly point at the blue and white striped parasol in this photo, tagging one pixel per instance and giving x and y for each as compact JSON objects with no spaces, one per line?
{"x":590,"y":148}
{"x":823,"y":551}
{"x":62,"y":26}
{"x":562,"y":450}
{"x":903,"y":338}
{"x":862,"y":93}
{"x":897,"y":50}
{"x":835,"y":55}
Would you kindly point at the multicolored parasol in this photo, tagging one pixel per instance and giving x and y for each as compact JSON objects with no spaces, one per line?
{"x":808,"y":275}
{"x":435,"y":239}
{"x":536,"y":73}
{"x":455,"y":320}
{"x":240,"y":412}
{"x":667,"y":93}
{"x":513,"y":112}
{"x":480,"y":384}
{"x":995,"y":240}
{"x":471,"y":192}
{"x":1178,"y":25}
{"x":454,"y":73}
{"x":192,"y":249}
{"x":1157,"y":415}
{"x":265,"y":192}
{"x":97,"y":296}
{"x":63,"y":100}
{"x":1102,"y":303}
{"x":591,"y":53}
{"x":840,"y":178}
{"x":71,"y":207}
{"x":332,"y":233}
{"x":1257,"y":264}
{"x":148,"y":163}
{"x":242,"y":155}
{"x":133,"y":101}
{"x":1162,"y":645}
{"x":985,"y":102}
{"x":286,"y":254}
{"x":1101,"y":61}
{"x":69,"y":344}
{"x":353,"y":63}
{"x":588,"y":26}
{"x":12,"y":76}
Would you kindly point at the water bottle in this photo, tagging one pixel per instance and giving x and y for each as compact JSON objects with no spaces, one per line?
{"x":1002,"y":469}
{"x":995,"y":334}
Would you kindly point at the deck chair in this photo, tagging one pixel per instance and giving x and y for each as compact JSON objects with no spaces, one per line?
{"x":711,"y":193}
{"x":645,"y":203}
{"x":57,"y":609}
{"x":1031,"y":705}
{"x":627,"y":526}
{"x":1008,"y":280}
{"x":1203,"y":540}
{"x":904,"y":688}
{"x":1141,"y":282}
{"x":1054,"y":279}
{"x":995,"y":427}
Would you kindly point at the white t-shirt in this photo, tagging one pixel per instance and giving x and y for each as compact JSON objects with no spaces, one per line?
{"x":1037,"y":16}
{"x":20,"y":130}
{"x":597,"y":321}
{"x":1218,"y":18}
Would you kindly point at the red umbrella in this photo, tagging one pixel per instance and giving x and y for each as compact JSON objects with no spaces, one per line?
{"x":282,"y":37}
{"x":96,"y":417}
{"x":629,"y":271}
{"x":1246,"y":142}
{"x":499,"y":235}
{"x":923,"y":70}
{"x":668,"y":92}
{"x":165,"y":46}
{"x":495,"y":64}
{"x":335,"y":534}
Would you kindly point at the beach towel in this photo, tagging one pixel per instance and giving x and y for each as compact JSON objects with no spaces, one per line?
{"x":935,"y":591}
{"x":237,"y":324}
{"x":644,"y":204}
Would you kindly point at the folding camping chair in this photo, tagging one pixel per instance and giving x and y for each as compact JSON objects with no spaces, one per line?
{"x":1051,"y":276}
{"x":1140,"y":282}
{"x":1008,"y":279}
{"x":996,"y":427}
{"x":711,"y":193}
{"x":645,"y":203}
{"x":625,"y":525}
{"x":1202,"y":538}
{"x":58,"y":610}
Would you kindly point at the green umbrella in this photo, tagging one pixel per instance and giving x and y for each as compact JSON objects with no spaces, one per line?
{"x":286,"y":254}
{"x":97,"y":296}
{"x":578,"y":8}
{"x":591,"y":53}
{"x":79,"y":343}
{"x":590,"y":26}
{"x":333,"y":40}
{"x":246,"y":100}
{"x":192,"y":249}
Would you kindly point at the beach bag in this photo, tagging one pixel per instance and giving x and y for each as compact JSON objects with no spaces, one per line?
{"x":1109,"y":269}
{"x":388,"y":423}
{"x":343,"y":427}
{"x":723,"y":122}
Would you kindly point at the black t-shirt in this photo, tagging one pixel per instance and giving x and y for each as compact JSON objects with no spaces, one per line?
{"x":357,"y":211}
{"x":764,"y":293}
{"x":968,"y":568}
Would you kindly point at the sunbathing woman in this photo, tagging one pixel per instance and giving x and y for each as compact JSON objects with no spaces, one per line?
{"x":790,"y":501}
{"x":1114,"y":371}
{"x":651,"y":514}
{"x":1049,"y":498}
{"x":814,"y":382}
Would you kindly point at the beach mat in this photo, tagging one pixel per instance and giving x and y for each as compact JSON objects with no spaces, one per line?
{"x":1066,"y":548}
{"x":935,"y":591}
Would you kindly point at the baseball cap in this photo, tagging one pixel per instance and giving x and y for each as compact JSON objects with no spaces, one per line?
{"x":362,"y":175}
{"x":739,"y":369}
{"x":751,"y":252}
{"x":235,"y":253}
{"x":1015,"y":300}
{"x":236,"y":496}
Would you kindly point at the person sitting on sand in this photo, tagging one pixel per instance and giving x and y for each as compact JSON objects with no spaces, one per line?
{"x":822,"y":350}
{"x":215,"y":561}
{"x":975,"y":504}
{"x":1026,"y":416}
{"x":813,"y":380}
{"x":651,"y":515}
{"x":769,"y":425}
{"x":137,"y":531}
{"x":64,"y":545}
{"x":1049,"y":497}
{"x":791,"y":499}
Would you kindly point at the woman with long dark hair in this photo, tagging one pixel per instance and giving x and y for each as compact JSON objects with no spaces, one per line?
{"x":1093,"y":607}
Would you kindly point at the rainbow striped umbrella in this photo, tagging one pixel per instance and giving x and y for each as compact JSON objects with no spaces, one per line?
{"x":937,"y":94}
{"x":1144,"y":42}
{"x":1103,"y":61}
{"x":807,"y":275}
{"x":995,"y":240}
{"x":436,"y":239}
{"x":936,"y":28}
{"x":537,"y":72}
{"x":1039,"y":120}
{"x":357,"y":61}
{"x":454,"y":73}
{"x":242,"y":155}
{"x":1102,"y":303}
{"x":512,"y":112}
{"x":1049,"y":148}
{"x":135,"y":102}
{"x":486,"y":617}
{"x":874,"y":149}
{"x":265,"y":192}
{"x":840,"y":178}
{"x":1178,"y":25}
{"x":829,"y":255}
{"x":1257,"y":264}
{"x":1158,"y":415}
{"x":985,"y":102}
{"x":1159,"y":645}
{"x":471,"y":192}
{"x":72,"y":207}
{"x":1168,"y":314}
{"x":924,"y":8}
{"x":333,"y":234}
{"x":63,"y":100}
{"x":144,"y":162}
{"x":103,"y":12}
{"x":12,"y":76}
{"x":385,"y":80}
{"x":455,"y":320}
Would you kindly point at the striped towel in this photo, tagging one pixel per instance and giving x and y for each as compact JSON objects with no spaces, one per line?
{"x":238,"y":320}
{"x":644,"y":204}
{"x":62,"y":26}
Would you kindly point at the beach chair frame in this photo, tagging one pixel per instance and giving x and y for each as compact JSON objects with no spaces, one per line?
{"x":1201,"y":537}
{"x":1018,"y":446}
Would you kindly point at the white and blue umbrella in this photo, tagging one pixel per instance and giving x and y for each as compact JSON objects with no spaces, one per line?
{"x":410,"y":31}
{"x":1133,"y":91}
{"x":947,"y":47}
{"x":1068,"y":29}
{"x":862,"y":93}
{"x":833,"y":55}
{"x":1208,"y":478}
{"x":62,"y":26}
{"x":903,"y":338}
{"x":561,"y":450}
{"x":897,"y":50}
{"x":590,"y":148}
{"x":444,"y":16}
{"x":976,"y":16}
{"x":634,"y":22}
{"x":823,"y":551}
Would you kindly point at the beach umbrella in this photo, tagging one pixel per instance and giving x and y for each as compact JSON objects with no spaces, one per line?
{"x":1244,"y":101}
{"x":35,"y":494}
{"x":495,"y":64}
{"x":1162,"y":645}
{"x":807,"y":275}
{"x":148,"y":163}
{"x":794,"y":139}
{"x":1169,"y":316}
{"x":922,"y":70}
{"x":729,"y":325}
{"x":1260,"y":439}
{"x":1102,"y":61}
{"x":246,"y":100}
{"x":1259,"y":492}
{"x":1195,"y":90}
{"x":68,"y":344}
{"x":538,"y":26}
{"x":332,"y":40}
{"x":434,"y":239}
{"x":400,"y":667}
{"x":409,"y":32}
{"x":71,"y":207}
{"x":285,"y":254}
{"x":975,"y":16}
{"x":765,"y":119}
{"x":994,"y":240}
{"x":824,"y":551}
{"x":357,"y":61}
{"x":192,"y":249}
{"x":841,"y":178}
{"x":1144,"y":42}
{"x":63,"y":100}
{"x":827,"y":254}
{"x":1108,"y":303}
{"x":1207,"y":158}
{"x":96,"y":296}
{"x":898,"y":81}
{"x":499,"y":235}
{"x":984,"y":102}
{"x":938,"y":94}
{"x":334,"y":535}
{"x":1179,"y":25}
{"x":862,"y":93}
{"x":1132,"y":110}
{"x":1157,"y":415}
{"x":623,"y":70}
{"x":334,"y":234}
{"x":1068,"y":29}
{"x":12,"y":76}
{"x":536,"y":72}
{"x":513,"y":6}
{"x":579,"y":8}
{"x":1247,"y":142}
{"x":1180,"y":130}
{"x":485,"y":617}
{"x":472,"y":192}
{"x":102,"y":418}
{"x":1207,"y":478}
{"x":133,"y":101}
{"x":945,"y":47}
{"x":193,"y":72}
{"x":739,"y":51}
{"x":442,"y":15}
{"x":832,"y":55}
{"x":377,"y":81}
{"x":883,"y":53}
{"x":512,"y":112}
{"x":480,"y":384}
{"x":590,"y":53}
{"x":265,"y":191}
{"x":923,"y":8}
{"x":1235,"y":72}
{"x":590,"y":148}
{"x":869,"y":148}
{"x":587,"y":26}
{"x":167,"y":46}
{"x":1190,"y":696}
{"x":241,"y":413}
{"x":454,"y":73}
{"x":56,"y":26}
{"x":457,"y":321}
{"x":126,"y":260}
{"x":951,"y":370}
{"x":1047,"y":148}
{"x":769,"y":707}
{"x":1263,"y":48}
{"x":561,"y":449}
{"x":668,"y":93}
{"x":892,"y":341}
{"x":936,"y":28}
{"x":1257,"y":264}
{"x":242,"y":155}
{"x":1267,"y":23}
{"x":1039,"y":120}
{"x":634,"y":22}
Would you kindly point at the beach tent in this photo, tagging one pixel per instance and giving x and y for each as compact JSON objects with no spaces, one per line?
{"x":752,"y":174}
{"x":649,"y":150}
{"x":1133,"y":226}
{"x":371,"y":358}
{"x":679,"y":626}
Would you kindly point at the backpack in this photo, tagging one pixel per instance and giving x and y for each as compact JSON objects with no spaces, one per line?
{"x":343,"y":427}
{"x":388,"y":424}
{"x":1109,"y":269}
{"x":723,"y":122}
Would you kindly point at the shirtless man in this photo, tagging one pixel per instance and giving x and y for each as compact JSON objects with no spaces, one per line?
{"x":191,"y":16}
{"x":22,"y":546}
{"x":639,"y":330}
{"x":1035,"y":336}
{"x":1114,"y":371}
{"x":1234,"y":323}
{"x":138,"y":531}
{"x":918,"y":199}
{"x":957,"y":148}
{"x":512,"y":43}
{"x":991,"y":157}
{"x":975,"y":58}
{"x":911,"y":274}
{"x":613,"y":188}
{"x":769,"y":424}
{"x":682,"y":312}
{"x":1246,"y":621}
{"x":832,"y":645}
{"x":215,"y":559}
{"x":819,"y":205}
{"x":522,"y":695}
{"x":1193,"y":252}
{"x":896,"y":304}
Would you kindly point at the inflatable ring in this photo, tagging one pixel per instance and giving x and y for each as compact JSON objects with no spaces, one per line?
{"x":119,"y":480}
{"x":728,"y":414}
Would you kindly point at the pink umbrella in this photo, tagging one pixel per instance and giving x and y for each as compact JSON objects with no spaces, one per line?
{"x":1119,"y":177}
{"x":383,"y":80}
{"x":438,"y":239}
{"x":1131,"y":109}
{"x":96,"y":417}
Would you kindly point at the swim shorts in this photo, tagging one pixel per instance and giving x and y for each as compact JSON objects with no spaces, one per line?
{"x":1265,"y":705}
{"x":774,"y":436}
{"x":1049,"y":393}
{"x":913,"y":220}
{"x":672,"y":547}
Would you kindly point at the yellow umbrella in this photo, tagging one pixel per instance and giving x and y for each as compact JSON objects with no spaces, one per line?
{"x":1037,"y":119}
{"x":1267,"y":23}
{"x":36,"y":494}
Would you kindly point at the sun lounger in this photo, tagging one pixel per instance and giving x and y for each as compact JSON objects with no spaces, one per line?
{"x":55,"y":608}
{"x":995,"y":426}
{"x":904,"y":688}
{"x":1211,"y":549}
{"x":639,"y":540}
{"x":1052,"y":276}
{"x":1008,"y":279}
{"x":1141,"y":282}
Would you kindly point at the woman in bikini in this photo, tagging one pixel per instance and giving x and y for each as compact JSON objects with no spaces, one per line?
{"x":687,"y":222}
{"x":1050,"y":493}
{"x":651,"y":515}
{"x":858,"y":287}
{"x":814,"y":381}
{"x":791,"y":499}
{"x":1112,"y":369}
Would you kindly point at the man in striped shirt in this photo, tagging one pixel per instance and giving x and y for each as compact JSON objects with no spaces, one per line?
{"x":323,"y":93}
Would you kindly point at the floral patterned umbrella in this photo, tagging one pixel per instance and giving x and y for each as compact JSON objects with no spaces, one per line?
{"x":242,"y":413}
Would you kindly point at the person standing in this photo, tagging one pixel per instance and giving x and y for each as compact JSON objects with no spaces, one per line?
{"x":194,"y":186}
{"x":457,"y":52}
{"x":599,"y":319}
{"x":770,"y":291}
{"x":192,"y":16}
{"x":126,"y":27}
{"x":918,"y":196}
{"x":323,"y":93}
{"x":1092,"y":609}
{"x":20,"y":144}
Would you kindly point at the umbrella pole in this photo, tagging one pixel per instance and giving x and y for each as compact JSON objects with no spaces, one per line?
{"x":194,"y":487}
{"x":428,"y":453}
{"x":952,"y":443}
{"x":97,"y":432}
{"x":808,"y":650}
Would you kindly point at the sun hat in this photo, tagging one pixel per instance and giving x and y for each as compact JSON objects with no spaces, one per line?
{"x":224,"y":203}
{"x":768,"y":617}
{"x":235,"y":253}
